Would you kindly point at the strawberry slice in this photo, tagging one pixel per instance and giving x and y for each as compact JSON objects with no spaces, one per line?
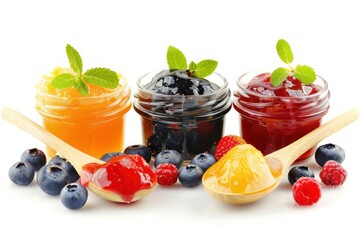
{"x":226,"y":143}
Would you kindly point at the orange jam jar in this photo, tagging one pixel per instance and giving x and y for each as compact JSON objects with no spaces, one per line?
{"x":94,"y":124}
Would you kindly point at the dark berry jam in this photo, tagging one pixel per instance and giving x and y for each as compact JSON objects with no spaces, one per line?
{"x":273,"y":117}
{"x":182,"y":113}
{"x":180,"y":82}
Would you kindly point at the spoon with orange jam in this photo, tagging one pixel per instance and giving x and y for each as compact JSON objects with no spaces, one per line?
{"x":123,"y":179}
{"x":244,"y":175}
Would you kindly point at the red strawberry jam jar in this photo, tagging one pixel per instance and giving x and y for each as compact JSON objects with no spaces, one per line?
{"x":189,"y":121}
{"x":273,"y":117}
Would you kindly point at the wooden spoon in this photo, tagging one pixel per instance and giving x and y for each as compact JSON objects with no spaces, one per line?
{"x":77,"y":158}
{"x":280,"y":160}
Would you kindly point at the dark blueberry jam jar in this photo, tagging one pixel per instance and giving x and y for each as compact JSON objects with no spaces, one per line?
{"x":186,"y":115}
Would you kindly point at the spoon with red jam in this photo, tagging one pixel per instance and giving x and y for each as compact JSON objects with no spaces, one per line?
{"x":125,"y":178}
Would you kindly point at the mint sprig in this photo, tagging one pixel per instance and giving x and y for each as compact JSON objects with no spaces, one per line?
{"x":302,"y":72}
{"x":177,"y":61}
{"x":102,"y":77}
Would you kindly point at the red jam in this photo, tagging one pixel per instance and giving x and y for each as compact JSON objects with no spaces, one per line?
{"x":124,"y":175}
{"x":273,"y":117}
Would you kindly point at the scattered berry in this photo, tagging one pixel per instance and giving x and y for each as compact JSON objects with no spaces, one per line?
{"x":52,"y":178}
{"x":107,"y":156}
{"x":73,"y":196}
{"x":22,"y":173}
{"x":203,"y":160}
{"x":226,"y":143}
{"x":306,"y":191}
{"x":190,"y":175}
{"x":166,"y":174}
{"x":297,"y":172}
{"x":139,"y":150}
{"x":68,"y":168}
{"x":328,"y":152}
{"x":169,"y":156}
{"x":333,"y":174}
{"x":35,"y":157}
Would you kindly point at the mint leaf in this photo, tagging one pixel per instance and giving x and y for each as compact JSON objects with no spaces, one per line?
{"x":74,"y":59}
{"x":192,"y":66}
{"x":81,"y":86}
{"x":305,"y":74}
{"x":279,"y":75}
{"x":64,"y":80}
{"x":205,"y":67}
{"x":102,"y":77}
{"x":284,"y":51}
{"x":176,"y":59}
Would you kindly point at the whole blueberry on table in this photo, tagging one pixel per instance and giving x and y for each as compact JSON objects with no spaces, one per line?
{"x":190,"y":175}
{"x":139,"y":150}
{"x":328,"y":152}
{"x":52,"y":178}
{"x":35,"y":157}
{"x":68,"y":168}
{"x":107,"y":156}
{"x":74,"y":196}
{"x":22,"y":173}
{"x":169,"y":156}
{"x":203,"y":160}
{"x":297,"y":172}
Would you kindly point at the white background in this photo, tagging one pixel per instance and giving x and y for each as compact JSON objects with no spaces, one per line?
{"x":132,"y":38}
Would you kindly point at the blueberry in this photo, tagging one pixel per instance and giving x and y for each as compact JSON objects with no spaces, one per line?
{"x":190,"y":175}
{"x":169,"y":156}
{"x":22,"y":173}
{"x":160,"y":130}
{"x":175,"y":140}
{"x":203,"y":160}
{"x":69,"y":169}
{"x":52,"y":178}
{"x":154,"y":144}
{"x":328,"y":152}
{"x":107,"y":156}
{"x":197,"y":142}
{"x":139,"y":150}
{"x":35,"y":157}
{"x":74,"y":196}
{"x":297,"y":172}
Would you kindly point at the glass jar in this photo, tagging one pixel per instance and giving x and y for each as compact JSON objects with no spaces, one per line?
{"x":273,"y":122}
{"x":92,"y":124}
{"x":190,"y":124}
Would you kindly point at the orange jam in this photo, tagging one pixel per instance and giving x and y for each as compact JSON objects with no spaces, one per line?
{"x":93,"y":124}
{"x":242,"y":170}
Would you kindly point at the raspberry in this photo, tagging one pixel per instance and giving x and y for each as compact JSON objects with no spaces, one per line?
{"x":333,"y":174}
{"x":225,"y":144}
{"x":166,"y":174}
{"x":306,"y":191}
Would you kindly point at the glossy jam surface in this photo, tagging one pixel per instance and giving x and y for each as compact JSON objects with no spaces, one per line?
{"x":273,"y":117}
{"x":242,"y":170}
{"x":93,"y":124}
{"x":291,"y":87}
{"x":124,"y":175}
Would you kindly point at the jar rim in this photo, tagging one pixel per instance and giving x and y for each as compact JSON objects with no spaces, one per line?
{"x":147,"y":91}
{"x":123,"y":85}
{"x":323,"y":88}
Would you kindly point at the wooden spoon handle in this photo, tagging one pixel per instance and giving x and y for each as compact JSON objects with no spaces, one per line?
{"x":74,"y":156}
{"x":291,"y":152}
